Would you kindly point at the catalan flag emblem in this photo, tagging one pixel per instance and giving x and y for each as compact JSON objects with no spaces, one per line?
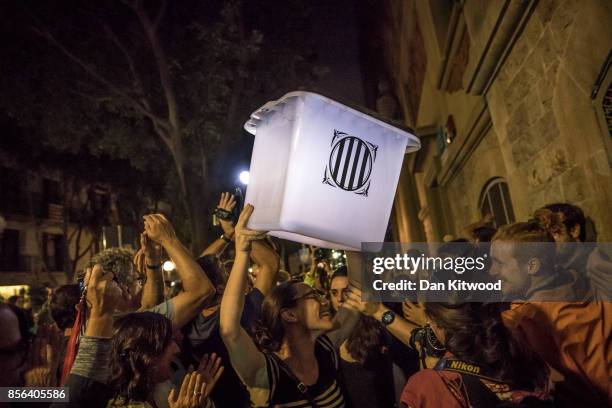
{"x":350,"y":163}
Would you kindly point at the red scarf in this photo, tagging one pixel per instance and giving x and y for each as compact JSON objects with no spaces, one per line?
{"x":73,"y":343}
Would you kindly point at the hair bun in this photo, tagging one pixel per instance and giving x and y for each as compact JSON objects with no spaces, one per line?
{"x":263,"y":338}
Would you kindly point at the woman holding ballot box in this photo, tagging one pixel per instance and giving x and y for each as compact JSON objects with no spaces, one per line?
{"x":293,"y":360}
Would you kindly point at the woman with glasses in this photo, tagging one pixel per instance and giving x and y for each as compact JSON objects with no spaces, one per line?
{"x":295,"y":360}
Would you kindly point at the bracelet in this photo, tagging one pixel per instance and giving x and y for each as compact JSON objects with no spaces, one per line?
{"x":225,"y":238}
{"x":153,"y":266}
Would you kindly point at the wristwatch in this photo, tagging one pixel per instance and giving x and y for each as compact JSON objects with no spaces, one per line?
{"x":387,"y":318}
{"x":225,"y":238}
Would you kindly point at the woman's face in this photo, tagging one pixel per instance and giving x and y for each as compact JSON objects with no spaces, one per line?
{"x":313,"y":309}
{"x":162,"y":367}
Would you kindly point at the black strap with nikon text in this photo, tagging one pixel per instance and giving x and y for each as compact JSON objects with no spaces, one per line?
{"x":464,"y":367}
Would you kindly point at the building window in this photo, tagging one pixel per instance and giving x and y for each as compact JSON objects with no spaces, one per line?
{"x":602,"y":101}
{"x":53,"y":251}
{"x":495,"y":201}
{"x":12,"y":192}
{"x":9,"y":250}
{"x":606,"y":108}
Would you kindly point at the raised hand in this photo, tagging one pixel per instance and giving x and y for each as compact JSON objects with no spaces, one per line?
{"x":227,"y":203}
{"x":414,"y":313}
{"x":103,"y":297}
{"x":103,"y":293}
{"x":353,"y":301}
{"x":191,"y":394}
{"x":210,"y":369}
{"x":148,"y":254}
{"x":158,"y":228}
{"x":245,"y":236}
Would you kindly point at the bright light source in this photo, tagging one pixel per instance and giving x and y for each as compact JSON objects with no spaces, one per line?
{"x":244,"y":177}
{"x":169,"y":266}
{"x":336,"y":255}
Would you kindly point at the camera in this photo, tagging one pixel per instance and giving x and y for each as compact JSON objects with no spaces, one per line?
{"x":221,"y":214}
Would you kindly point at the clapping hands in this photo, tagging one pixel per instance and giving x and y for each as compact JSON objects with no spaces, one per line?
{"x":158,"y":228}
{"x":198,"y":385}
{"x":148,"y":254}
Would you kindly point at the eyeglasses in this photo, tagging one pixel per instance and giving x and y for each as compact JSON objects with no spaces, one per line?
{"x":313,"y":294}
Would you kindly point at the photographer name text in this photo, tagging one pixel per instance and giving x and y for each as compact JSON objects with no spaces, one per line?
{"x":425,"y":285}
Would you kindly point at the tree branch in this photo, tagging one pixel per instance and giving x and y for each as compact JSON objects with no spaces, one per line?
{"x":85,"y":251}
{"x":162,"y":65}
{"x":160,"y":13}
{"x":158,"y":122}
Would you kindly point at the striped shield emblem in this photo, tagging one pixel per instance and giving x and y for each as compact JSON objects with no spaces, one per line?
{"x":350,"y":163}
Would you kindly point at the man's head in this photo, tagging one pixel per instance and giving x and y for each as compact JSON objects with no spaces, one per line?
{"x":338,"y":287}
{"x":119,"y":261}
{"x":519,"y":252}
{"x":573,"y":222}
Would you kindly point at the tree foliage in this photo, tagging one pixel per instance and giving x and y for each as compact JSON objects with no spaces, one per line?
{"x":163,"y":87}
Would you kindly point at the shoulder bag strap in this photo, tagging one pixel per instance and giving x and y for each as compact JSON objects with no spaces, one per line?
{"x":303,"y":388}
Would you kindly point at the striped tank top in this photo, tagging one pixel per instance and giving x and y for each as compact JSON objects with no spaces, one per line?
{"x":284,"y":391}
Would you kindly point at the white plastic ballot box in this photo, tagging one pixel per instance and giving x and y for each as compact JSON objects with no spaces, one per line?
{"x":323,"y":173}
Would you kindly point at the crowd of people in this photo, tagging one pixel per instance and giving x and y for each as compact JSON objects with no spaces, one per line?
{"x":239,"y":333}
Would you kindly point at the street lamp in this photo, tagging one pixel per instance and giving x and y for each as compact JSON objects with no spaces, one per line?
{"x":244,"y":177}
{"x":168,"y":266}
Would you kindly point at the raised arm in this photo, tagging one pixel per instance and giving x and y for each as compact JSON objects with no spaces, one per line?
{"x":246,"y":359}
{"x":91,"y":369}
{"x":227,"y":202}
{"x":401,"y":328}
{"x":148,"y":264}
{"x":346,"y":318}
{"x":197,"y":288}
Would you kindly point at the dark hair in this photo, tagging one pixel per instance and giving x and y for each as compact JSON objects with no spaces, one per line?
{"x":138,"y":340}
{"x":341,"y":271}
{"x":572,"y":216}
{"x":210,"y":266}
{"x":366,"y":340}
{"x":475,"y":332}
{"x":63,"y":305}
{"x":269,"y":331}
{"x":13,"y":299}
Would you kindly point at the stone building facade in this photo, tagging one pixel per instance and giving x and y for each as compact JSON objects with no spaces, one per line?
{"x":511,"y":100}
